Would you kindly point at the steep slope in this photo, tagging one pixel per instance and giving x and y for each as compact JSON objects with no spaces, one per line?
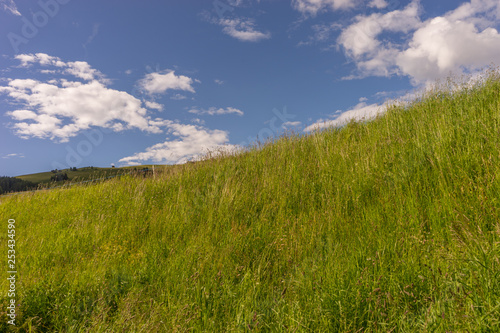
{"x":390,"y":225}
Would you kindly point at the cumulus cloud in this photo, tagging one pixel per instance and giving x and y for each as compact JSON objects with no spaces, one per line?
{"x":79,"y":69}
{"x":243,"y":30}
{"x":362,"y":111}
{"x":10,"y":6}
{"x":444,"y":45}
{"x":59,"y":109}
{"x":361,"y":38}
{"x":216,"y":111}
{"x":41,"y":58}
{"x":464,"y":39}
{"x":82,"y":70}
{"x":160,"y":82}
{"x":193,"y":142}
{"x":154,"y":105}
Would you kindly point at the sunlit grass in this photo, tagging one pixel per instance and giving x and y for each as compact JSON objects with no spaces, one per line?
{"x":386,"y":226}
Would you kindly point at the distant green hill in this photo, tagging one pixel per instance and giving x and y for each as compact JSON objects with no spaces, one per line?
{"x":390,"y":225}
{"x":82,"y":174}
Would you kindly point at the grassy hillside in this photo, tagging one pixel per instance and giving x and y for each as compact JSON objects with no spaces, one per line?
{"x":385,"y":226}
{"x":80,"y":174}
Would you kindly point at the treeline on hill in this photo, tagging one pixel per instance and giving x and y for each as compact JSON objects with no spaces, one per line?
{"x":59,"y":175}
{"x":12,"y":184}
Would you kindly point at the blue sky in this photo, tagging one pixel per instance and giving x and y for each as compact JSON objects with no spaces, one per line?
{"x":135,"y":82}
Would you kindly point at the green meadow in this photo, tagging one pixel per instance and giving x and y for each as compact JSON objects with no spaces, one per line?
{"x":389,"y":225}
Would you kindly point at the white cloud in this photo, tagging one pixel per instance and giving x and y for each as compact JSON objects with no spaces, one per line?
{"x":360,"y":38}
{"x":291,"y":124}
{"x":312,"y":7}
{"x":82,"y":70}
{"x":216,"y":111}
{"x":43,"y":59}
{"x":464,"y":39}
{"x":443,"y":46}
{"x":154,"y":105}
{"x":160,"y":82}
{"x":79,"y":69}
{"x":133,"y":163}
{"x":59,"y":109}
{"x":62,"y":111}
{"x":243,"y":30}
{"x":194,"y":141}
{"x":18,"y":155}
{"x":178,"y":97}
{"x":198,"y":121}
{"x":235,"y":3}
{"x":10,"y":6}
{"x":322,"y":33}
{"x":362,"y":111}
{"x":379,"y":4}
{"x":95,"y":31}
{"x":219,"y":82}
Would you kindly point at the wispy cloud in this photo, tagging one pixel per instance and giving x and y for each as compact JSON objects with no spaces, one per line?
{"x":216,"y":111}
{"x":198,"y":121}
{"x":313,"y":7}
{"x":10,"y":6}
{"x":13,"y":155}
{"x":95,"y":31}
{"x":178,"y":97}
{"x":239,"y":27}
{"x":291,"y":124}
{"x":243,"y":30}
{"x":321,"y":33}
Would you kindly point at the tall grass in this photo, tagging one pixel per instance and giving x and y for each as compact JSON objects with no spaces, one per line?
{"x":386,"y":226}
